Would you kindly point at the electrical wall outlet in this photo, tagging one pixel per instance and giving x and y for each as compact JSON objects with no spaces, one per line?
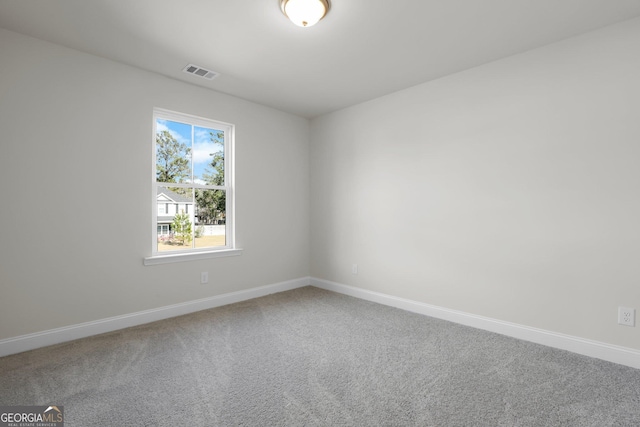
{"x":204,"y":277}
{"x":354,"y":269}
{"x":627,"y":316}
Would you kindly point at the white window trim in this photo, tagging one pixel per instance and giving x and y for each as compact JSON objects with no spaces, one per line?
{"x":190,"y":256}
{"x":229,"y":149}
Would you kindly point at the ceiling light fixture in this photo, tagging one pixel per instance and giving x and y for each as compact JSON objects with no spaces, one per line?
{"x":305,"y":13}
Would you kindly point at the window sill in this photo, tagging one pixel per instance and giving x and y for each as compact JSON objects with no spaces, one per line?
{"x":192,"y":256}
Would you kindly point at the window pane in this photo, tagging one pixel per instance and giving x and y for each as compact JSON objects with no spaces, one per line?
{"x":210,"y":218}
{"x":190,"y":177}
{"x":175,"y":229}
{"x":173,"y":151}
{"x":208,"y":156}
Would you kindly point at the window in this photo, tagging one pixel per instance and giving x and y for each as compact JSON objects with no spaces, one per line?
{"x":192,"y":187}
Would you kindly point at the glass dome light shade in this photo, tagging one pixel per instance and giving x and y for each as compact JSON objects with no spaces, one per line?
{"x":304,"y":13}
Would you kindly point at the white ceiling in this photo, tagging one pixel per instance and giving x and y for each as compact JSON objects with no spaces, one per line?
{"x":361,"y":50}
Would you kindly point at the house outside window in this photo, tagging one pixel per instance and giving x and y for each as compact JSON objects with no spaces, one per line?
{"x":192,"y":183}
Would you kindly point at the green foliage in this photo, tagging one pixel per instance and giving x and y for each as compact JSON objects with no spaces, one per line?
{"x":215,"y":171}
{"x":172,"y":158}
{"x":182,"y":227}
{"x":215,"y":177}
{"x":212,"y":204}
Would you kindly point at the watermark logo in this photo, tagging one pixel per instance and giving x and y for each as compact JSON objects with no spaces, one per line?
{"x":31,"y":416}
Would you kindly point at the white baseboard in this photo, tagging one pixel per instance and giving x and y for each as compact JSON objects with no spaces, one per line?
{"x":612,"y":353}
{"x":82,"y":330}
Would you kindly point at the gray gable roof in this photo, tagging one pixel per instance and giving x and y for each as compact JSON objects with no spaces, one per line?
{"x":177,"y":198}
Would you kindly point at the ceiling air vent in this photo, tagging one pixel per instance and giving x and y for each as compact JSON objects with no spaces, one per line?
{"x":200,"y":72}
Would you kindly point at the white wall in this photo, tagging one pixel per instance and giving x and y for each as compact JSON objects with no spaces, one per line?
{"x":510,"y":191}
{"x":75,"y":132}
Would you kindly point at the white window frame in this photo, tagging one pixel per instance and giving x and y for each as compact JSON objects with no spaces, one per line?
{"x":229,"y":159}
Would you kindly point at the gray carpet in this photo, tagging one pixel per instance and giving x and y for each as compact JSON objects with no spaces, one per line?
{"x":309,"y":357}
